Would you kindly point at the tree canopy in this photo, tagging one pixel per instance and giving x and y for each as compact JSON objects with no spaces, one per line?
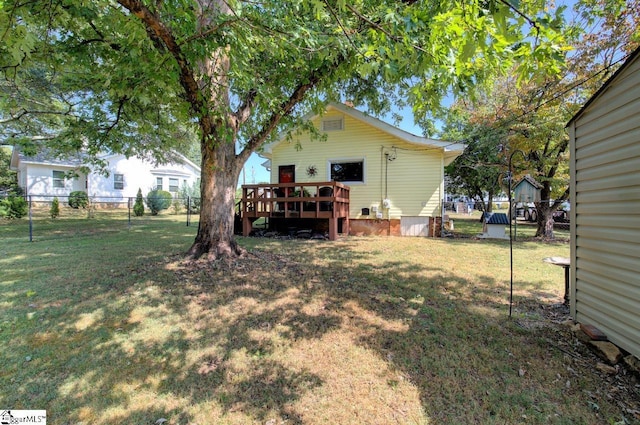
{"x":8,"y":178}
{"x":136,"y":76}
{"x":530,"y":117}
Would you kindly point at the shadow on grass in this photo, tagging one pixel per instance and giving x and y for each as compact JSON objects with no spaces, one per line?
{"x":159,"y":338}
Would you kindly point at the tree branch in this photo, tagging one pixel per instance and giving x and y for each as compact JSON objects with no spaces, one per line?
{"x":208,"y":32}
{"x":157,"y":27}
{"x":380,"y":28}
{"x":244,"y":111}
{"x":24,"y":112}
{"x":287,"y":106}
{"x":115,"y":122}
{"x":531,"y":22}
{"x":337,"y":18}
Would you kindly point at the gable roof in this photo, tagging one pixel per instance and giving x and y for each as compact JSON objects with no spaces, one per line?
{"x":78,"y":159}
{"x":632,"y":58}
{"x":528,"y":179}
{"x":172,"y":157}
{"x":46,"y":157}
{"x":449,"y":148}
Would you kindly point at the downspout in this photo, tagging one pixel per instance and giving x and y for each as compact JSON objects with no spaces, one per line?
{"x":443,"y":195}
{"x":381,"y":175}
{"x":386,"y":175}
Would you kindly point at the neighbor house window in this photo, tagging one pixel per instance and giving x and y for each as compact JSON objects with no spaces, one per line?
{"x":58,"y":179}
{"x":118,"y":181}
{"x":173,"y":185}
{"x":347,"y":171}
{"x":158,"y":183}
{"x":333,"y":124}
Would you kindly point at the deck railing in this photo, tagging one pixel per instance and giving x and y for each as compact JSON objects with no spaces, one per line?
{"x":317,"y":200}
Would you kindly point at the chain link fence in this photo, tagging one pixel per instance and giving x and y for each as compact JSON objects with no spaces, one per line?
{"x":46,"y":213}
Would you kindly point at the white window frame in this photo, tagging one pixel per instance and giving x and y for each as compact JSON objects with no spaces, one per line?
{"x":118,"y":181}
{"x":159,"y":183}
{"x":176,"y":186}
{"x":58,"y":182}
{"x":330,"y":162}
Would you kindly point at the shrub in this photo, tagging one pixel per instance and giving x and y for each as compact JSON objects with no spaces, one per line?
{"x":13,"y":207}
{"x":78,"y":199}
{"x":191,"y":196}
{"x":177,"y":205}
{"x":55,"y":208}
{"x":158,"y":200}
{"x":138,"y":207}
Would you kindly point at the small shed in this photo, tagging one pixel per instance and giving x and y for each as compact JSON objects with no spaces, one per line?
{"x":527,"y":190}
{"x":604,"y":140}
{"x":493,"y":225}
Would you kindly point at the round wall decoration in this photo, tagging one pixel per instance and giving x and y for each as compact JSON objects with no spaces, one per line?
{"x":312,"y":170}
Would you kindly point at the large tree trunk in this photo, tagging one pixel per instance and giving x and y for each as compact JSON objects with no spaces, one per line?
{"x":219,"y":176}
{"x":489,"y":204}
{"x":220,"y":166}
{"x":544,"y":220}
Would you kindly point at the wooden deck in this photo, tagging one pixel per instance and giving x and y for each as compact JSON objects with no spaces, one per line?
{"x":319,"y":200}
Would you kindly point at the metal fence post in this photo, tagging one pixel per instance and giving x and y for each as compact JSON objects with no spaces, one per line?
{"x":188,"y":210}
{"x":129,"y":206}
{"x":30,"y":221}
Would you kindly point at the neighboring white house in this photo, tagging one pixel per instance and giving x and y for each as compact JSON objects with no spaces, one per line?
{"x":605,"y":204}
{"x":42,"y":175}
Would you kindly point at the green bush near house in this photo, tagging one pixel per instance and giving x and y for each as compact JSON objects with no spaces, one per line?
{"x":54,"y":211}
{"x":78,"y":199}
{"x":158,"y":200}
{"x":138,"y":207}
{"x":13,"y":207}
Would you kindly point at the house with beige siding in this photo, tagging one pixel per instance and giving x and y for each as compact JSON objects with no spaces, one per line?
{"x":605,"y":210}
{"x":395,"y":179}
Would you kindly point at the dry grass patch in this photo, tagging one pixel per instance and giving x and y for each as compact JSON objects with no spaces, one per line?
{"x":364,"y":330}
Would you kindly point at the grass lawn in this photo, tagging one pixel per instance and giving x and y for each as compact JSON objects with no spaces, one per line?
{"x":104,"y":323}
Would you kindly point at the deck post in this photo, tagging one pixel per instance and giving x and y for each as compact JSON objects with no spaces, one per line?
{"x":246,"y":225}
{"x":333,"y":228}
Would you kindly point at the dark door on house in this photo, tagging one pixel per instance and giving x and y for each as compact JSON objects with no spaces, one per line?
{"x":287,"y":174}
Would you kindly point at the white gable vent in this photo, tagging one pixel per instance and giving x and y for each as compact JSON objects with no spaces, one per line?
{"x":332,"y":124}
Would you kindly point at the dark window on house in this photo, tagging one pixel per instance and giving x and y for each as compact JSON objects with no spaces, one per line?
{"x":118,"y":181}
{"x":58,"y":179}
{"x":158,"y":183}
{"x":347,"y":171}
{"x":174,"y":185}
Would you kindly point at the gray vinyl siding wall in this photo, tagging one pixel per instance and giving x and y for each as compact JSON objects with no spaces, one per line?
{"x":605,"y":210}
